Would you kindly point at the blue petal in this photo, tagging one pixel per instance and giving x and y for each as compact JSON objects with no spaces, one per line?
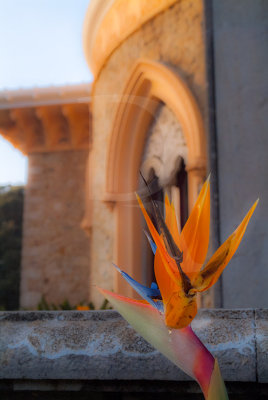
{"x":159,"y":305}
{"x":151,"y":242}
{"x":154,"y":285}
{"x":145,"y":292}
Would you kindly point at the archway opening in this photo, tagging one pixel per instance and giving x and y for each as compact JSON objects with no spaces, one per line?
{"x":151,"y":86}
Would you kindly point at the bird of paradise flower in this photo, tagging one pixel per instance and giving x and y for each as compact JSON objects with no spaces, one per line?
{"x":163,"y":318}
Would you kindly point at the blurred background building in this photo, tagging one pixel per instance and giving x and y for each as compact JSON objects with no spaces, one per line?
{"x":179,"y":90}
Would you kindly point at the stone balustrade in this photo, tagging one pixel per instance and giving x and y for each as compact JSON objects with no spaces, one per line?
{"x":98,"y":350}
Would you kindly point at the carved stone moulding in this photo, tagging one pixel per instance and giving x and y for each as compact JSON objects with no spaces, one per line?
{"x":109,"y":22}
{"x":150,"y":84}
{"x":47,"y":128}
{"x":46,"y":120}
{"x":165,"y":149}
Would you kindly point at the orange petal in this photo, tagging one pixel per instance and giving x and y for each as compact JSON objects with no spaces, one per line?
{"x":166,"y":285}
{"x":171,"y":221}
{"x":170,"y":264}
{"x":142,"y":303}
{"x":179,"y":309}
{"x":195,"y":234}
{"x":212,"y":271}
{"x":155,"y":235}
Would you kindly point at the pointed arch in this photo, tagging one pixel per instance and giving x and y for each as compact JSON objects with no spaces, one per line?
{"x":149,"y":84}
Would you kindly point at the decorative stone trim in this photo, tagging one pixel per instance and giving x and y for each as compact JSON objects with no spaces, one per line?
{"x":109,"y":22}
{"x":46,"y":120}
{"x":46,"y":96}
{"x":150,"y":83}
{"x":165,"y":148}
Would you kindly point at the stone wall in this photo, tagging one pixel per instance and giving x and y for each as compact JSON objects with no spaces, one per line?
{"x":55,"y":260}
{"x":241,"y":57}
{"x":175,"y":38}
{"x":98,"y":351}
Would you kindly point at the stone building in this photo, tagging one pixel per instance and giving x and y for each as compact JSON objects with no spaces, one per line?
{"x":52,"y":127}
{"x":179,"y":91}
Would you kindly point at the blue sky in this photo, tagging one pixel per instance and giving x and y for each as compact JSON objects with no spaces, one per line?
{"x":13,"y":165}
{"x":40,"y":45}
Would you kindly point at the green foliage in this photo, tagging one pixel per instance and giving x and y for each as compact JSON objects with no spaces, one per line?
{"x":11,"y":211}
{"x":43,"y":305}
{"x":106,"y":305}
{"x":90,"y":305}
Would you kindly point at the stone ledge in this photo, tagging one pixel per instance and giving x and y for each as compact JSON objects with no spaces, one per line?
{"x":100,"y":345}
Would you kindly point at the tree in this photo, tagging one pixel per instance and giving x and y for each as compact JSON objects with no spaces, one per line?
{"x":11,"y":212}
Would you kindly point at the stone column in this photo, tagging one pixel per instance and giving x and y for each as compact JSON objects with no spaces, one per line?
{"x":55,"y":258}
